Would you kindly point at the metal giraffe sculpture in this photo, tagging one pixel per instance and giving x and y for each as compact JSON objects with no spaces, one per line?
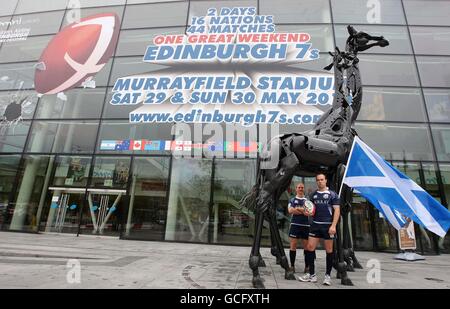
{"x":324,"y":149}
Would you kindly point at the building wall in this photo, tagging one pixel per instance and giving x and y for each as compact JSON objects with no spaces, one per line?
{"x":405,"y":117}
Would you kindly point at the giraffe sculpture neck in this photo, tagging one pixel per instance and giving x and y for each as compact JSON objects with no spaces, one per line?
{"x":337,"y":122}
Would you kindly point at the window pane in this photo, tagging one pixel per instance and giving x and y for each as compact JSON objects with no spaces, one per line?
{"x":135,"y":42}
{"x":396,"y":35}
{"x":430,"y":183}
{"x":434,"y":71}
{"x":292,"y":11}
{"x":155,"y":15}
{"x":28,"y":50}
{"x":111,"y":172}
{"x":392,"y":104}
{"x":386,"y":234}
{"x":316,"y":65}
{"x":102,"y":77}
{"x":14,"y":105}
{"x":441,"y":136}
{"x":7,"y":7}
{"x":13,"y":136}
{"x":425,"y":12}
{"x":116,"y":111}
{"x":397,"y":141}
{"x":118,"y":136}
{"x":63,"y":137}
{"x":41,"y":23}
{"x":368,"y":12}
{"x":361,"y":224}
{"x":388,"y":70}
{"x":71,"y":171}
{"x":148,"y":203}
{"x":431,"y":40}
{"x":29,"y":198}
{"x":233,"y":179}
{"x":131,"y":66}
{"x":93,"y":11}
{"x":81,"y":103}
{"x":188,"y":213}
{"x":321,"y":35}
{"x":424,"y":238}
{"x":438,"y":104}
{"x":8,"y":169}
{"x":29,"y":6}
{"x":17,"y":76}
{"x":445,"y":176}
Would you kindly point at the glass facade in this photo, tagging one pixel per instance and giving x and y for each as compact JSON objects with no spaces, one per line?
{"x":55,"y":175}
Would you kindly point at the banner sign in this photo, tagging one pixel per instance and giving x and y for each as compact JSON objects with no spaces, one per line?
{"x":407,"y":237}
{"x":231,"y":66}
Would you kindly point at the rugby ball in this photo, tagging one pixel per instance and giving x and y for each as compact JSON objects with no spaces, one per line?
{"x":310,"y":208}
{"x":77,"y":53}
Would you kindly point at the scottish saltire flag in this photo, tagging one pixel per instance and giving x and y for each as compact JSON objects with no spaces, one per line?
{"x":395,"y":195}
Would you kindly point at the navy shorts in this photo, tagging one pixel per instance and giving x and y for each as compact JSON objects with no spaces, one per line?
{"x":299,"y":231}
{"x":320,"y":231}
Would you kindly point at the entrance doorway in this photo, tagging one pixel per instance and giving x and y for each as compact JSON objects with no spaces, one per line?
{"x":64,"y":212}
{"x":101,"y":215}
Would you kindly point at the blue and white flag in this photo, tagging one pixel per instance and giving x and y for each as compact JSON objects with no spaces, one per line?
{"x":395,"y":195}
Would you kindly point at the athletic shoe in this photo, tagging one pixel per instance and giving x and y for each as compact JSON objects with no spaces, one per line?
{"x":327,"y":280}
{"x":308,"y":278}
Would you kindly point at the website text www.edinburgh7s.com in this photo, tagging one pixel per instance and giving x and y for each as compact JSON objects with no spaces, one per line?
{"x":247,"y":119}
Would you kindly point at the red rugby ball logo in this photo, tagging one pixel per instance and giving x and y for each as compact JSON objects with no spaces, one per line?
{"x":76,"y":53}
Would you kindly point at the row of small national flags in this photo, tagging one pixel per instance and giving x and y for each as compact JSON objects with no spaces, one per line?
{"x":158,"y":145}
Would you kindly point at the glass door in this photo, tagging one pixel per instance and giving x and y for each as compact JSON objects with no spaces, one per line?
{"x":64,"y":211}
{"x":101,"y":216}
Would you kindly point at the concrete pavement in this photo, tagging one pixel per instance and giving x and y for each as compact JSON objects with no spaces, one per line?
{"x":52,"y":261}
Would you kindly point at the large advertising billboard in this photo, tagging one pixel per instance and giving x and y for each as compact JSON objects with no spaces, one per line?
{"x":231,"y":66}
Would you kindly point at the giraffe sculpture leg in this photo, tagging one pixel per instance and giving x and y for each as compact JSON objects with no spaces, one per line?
{"x":255,"y":255}
{"x":346,"y":196}
{"x":341,"y":265}
{"x":349,"y":254}
{"x":271,"y":182}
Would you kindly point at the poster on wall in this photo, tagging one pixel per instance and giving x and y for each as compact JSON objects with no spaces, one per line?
{"x":231,"y":66}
